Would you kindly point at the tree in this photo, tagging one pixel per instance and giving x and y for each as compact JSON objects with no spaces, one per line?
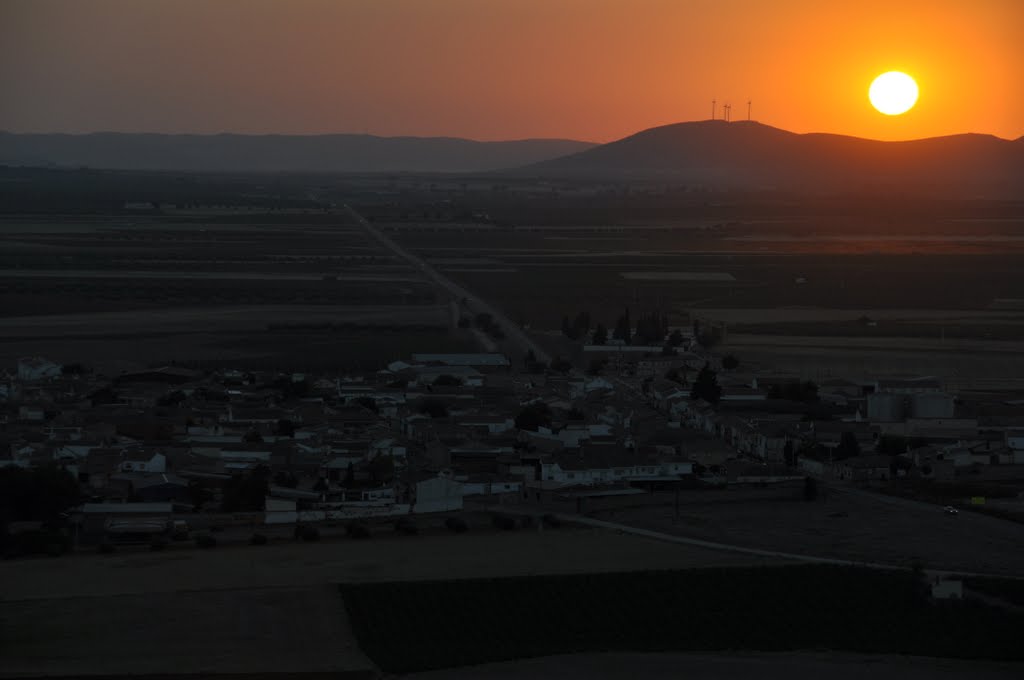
{"x":252,"y":437}
{"x":381,"y":468}
{"x":534,"y":416}
{"x":172,"y":398}
{"x":730,"y":362}
{"x":369,"y":403}
{"x":789,"y":453}
{"x":560,"y":365}
{"x":285,"y":479}
{"x":675,"y":339}
{"x":446,"y":380}
{"x":810,"y":489}
{"x":435,"y":408}
{"x":623,"y":328}
{"x":600,"y":336}
{"x":706,"y":386}
{"x":581,"y":325}
{"x":891,"y":444}
{"x":350,"y":476}
{"x":285,"y":428}
{"x":40,"y":493}
{"x":596,"y":366}
{"x":848,"y":446}
{"x":247,"y":493}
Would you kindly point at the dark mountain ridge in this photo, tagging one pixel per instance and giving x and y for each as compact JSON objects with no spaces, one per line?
{"x":276,"y":153}
{"x":753,"y":155}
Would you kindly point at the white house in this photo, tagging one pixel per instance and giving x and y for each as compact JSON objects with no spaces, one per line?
{"x":37,"y":368}
{"x":139,"y":461}
{"x":438,"y":494}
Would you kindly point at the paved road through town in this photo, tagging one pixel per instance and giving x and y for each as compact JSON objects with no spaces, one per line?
{"x":512,"y":331}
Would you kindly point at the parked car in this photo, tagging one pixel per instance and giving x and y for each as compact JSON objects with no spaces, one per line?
{"x":950,"y":510}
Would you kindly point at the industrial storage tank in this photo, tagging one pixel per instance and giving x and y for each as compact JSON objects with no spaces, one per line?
{"x":886,"y":407}
{"x":932,"y":405}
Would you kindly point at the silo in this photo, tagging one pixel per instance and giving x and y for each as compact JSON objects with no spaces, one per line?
{"x":886,"y":407}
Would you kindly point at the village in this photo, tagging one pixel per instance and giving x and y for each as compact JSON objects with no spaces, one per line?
{"x":172,"y":453}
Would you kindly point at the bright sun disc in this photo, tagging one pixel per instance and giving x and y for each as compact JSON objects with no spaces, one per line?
{"x":893,"y":93}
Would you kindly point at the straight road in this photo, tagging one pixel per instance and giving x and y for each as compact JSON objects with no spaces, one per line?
{"x":473,"y":302}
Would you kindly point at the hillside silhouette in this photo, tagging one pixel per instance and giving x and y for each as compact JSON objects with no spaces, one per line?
{"x":276,"y":153}
{"x":754,"y":155}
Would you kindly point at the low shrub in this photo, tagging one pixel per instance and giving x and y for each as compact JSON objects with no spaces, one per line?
{"x":258,"y":539}
{"x":309,"y":533}
{"x":504,"y":522}
{"x":456,"y":524}
{"x":551,"y":521}
{"x":106,"y":548}
{"x":357,"y":530}
{"x":407,"y":526}
{"x":206,"y":541}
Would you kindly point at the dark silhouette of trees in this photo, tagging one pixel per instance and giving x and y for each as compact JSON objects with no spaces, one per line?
{"x":447,"y":380}
{"x":368,"y":403}
{"x":285,"y":428}
{"x":848,"y":446}
{"x":40,"y":493}
{"x":675,"y":339}
{"x":706,"y":386}
{"x":435,"y":408}
{"x":247,"y":493}
{"x":560,"y":365}
{"x":381,"y":468}
{"x":534,"y":416}
{"x":730,"y":362}
{"x":652,"y":328}
{"x":600,"y":336}
{"x":623,"y":328}
{"x":810,"y":489}
{"x":805,"y":391}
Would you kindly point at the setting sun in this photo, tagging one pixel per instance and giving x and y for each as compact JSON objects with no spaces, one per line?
{"x":893,"y":93}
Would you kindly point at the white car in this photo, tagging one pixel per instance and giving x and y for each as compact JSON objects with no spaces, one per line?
{"x":950,"y":510}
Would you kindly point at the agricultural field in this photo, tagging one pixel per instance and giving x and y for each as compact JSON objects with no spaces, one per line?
{"x":843,"y":523}
{"x":415,"y":626}
{"x":226,"y":288}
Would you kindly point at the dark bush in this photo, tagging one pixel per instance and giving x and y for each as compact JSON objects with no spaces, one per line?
{"x":309,"y":533}
{"x":456,"y":524}
{"x":504,"y":522}
{"x":258,"y":539}
{"x":526,"y":521}
{"x":551,"y":521}
{"x":406,"y":525}
{"x":106,"y":548}
{"x":357,"y":530}
{"x":157,"y":544}
{"x":206,"y":541}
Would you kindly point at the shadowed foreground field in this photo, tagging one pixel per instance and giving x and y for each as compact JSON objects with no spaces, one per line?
{"x":407,"y":627}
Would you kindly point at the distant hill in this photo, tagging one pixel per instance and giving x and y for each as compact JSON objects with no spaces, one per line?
{"x":750,"y":154}
{"x":276,"y":153}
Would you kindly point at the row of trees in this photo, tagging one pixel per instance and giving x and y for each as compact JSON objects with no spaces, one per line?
{"x":650,"y":329}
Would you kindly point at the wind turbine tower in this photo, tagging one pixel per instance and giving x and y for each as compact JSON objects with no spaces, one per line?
{"x":713,"y":103}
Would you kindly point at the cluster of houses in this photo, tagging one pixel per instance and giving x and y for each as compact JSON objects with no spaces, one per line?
{"x":426,"y":433}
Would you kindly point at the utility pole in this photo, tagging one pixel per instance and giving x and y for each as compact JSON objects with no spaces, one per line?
{"x":748,"y":110}
{"x":713,"y":102}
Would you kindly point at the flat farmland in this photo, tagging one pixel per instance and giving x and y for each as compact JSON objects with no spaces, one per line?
{"x":822,"y":296}
{"x":843,"y":523}
{"x":297,"y":292}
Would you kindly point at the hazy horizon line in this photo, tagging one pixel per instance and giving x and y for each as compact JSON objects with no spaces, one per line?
{"x":226,"y":133}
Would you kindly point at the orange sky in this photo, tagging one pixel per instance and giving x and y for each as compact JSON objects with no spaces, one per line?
{"x":505,"y":69}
